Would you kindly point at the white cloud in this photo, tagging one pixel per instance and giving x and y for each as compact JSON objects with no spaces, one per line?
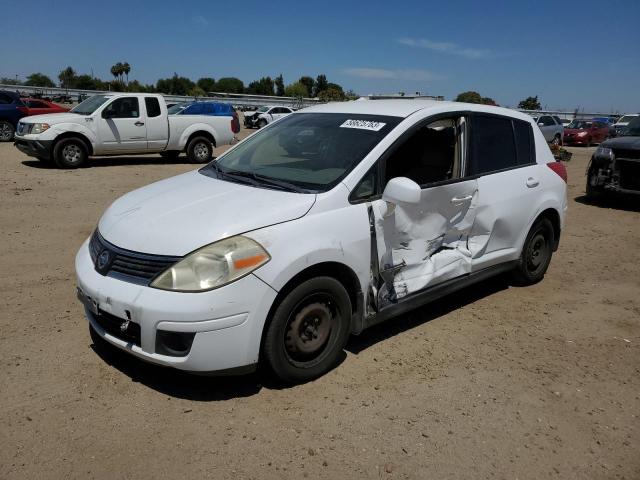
{"x":384,"y":74}
{"x":446,"y":47}
{"x":200,"y":20}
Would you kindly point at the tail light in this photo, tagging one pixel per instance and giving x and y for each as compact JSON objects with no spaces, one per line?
{"x":24,"y":110}
{"x":235,"y":123}
{"x":560,"y":169}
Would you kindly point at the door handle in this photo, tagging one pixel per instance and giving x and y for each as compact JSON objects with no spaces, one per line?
{"x":456,"y":200}
{"x":139,"y":123}
{"x":532,"y":182}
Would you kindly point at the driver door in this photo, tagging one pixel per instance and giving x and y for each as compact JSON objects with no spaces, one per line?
{"x":422,"y":244}
{"x":121,"y":127}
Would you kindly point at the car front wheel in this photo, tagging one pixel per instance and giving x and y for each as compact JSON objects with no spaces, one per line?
{"x":308,"y":330}
{"x":70,"y":153}
{"x":6,"y":131}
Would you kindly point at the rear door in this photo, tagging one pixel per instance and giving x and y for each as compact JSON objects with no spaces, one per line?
{"x":502,"y":156}
{"x":157,"y":124}
{"x":122,"y":127}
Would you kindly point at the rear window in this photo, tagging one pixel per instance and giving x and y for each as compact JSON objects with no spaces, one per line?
{"x":524,"y":142}
{"x":492,"y":145}
{"x":153,"y":106}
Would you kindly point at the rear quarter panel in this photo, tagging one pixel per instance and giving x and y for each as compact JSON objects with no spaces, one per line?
{"x":181,"y":127}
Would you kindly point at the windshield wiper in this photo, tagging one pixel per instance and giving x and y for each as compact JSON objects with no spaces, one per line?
{"x":263,"y":180}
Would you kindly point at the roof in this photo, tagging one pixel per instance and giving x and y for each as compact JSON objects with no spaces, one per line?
{"x":404,"y":108}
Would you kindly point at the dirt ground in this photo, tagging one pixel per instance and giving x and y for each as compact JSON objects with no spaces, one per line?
{"x":493,"y":382}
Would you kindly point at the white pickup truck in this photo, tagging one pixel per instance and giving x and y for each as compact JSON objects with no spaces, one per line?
{"x":122,"y":123}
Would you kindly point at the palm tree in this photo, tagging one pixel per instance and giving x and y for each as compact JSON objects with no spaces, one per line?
{"x":126,"y":68}
{"x":115,"y":71}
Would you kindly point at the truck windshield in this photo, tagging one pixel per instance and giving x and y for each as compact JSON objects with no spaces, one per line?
{"x":90,"y":105}
{"x":633,"y":129}
{"x":304,"y":152}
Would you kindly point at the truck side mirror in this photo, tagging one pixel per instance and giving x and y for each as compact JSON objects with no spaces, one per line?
{"x":401,"y":190}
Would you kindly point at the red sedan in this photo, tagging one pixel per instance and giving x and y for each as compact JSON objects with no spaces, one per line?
{"x":585,"y":132}
{"x":37,"y":106}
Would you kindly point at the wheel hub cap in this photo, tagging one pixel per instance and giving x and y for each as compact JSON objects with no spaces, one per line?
{"x":71,"y":153}
{"x":201,"y":151}
{"x":309,"y":330}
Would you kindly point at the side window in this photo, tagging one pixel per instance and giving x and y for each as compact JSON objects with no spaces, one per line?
{"x":548,"y":121}
{"x":492,"y":145}
{"x":524,"y":142}
{"x":153,"y":106}
{"x":429,"y":155}
{"x":5,"y":99}
{"x":557,"y":119}
{"x":368,"y":186}
{"x":124,"y":107}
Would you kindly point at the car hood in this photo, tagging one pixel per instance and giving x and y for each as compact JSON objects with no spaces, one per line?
{"x":52,"y":118}
{"x":626,"y":143}
{"x":180,"y":214}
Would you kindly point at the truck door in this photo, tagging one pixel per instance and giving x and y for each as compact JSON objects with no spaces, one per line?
{"x":121,"y":127}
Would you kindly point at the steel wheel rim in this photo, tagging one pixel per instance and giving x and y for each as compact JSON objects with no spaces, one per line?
{"x":5,"y":131}
{"x":537,"y":252}
{"x":310,"y":329}
{"x":72,"y":153}
{"x":201,"y":151}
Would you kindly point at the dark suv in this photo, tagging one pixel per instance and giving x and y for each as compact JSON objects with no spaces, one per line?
{"x":11,"y":110}
{"x":615,"y":165}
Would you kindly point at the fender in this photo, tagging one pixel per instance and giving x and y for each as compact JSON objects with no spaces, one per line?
{"x":196,"y":127}
{"x":64,"y":128}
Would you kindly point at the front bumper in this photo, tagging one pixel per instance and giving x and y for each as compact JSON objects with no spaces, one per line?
{"x":574,"y":140}
{"x":226,"y":322}
{"x":34,"y":148}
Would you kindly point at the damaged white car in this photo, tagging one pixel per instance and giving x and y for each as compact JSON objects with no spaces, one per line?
{"x":320,"y":225}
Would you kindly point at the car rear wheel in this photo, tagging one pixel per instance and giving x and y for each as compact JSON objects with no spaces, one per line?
{"x":262,"y":123}
{"x":70,"y":153}
{"x":200,"y":150}
{"x":536,"y":253}
{"x":308,"y":330}
{"x":6,"y":131}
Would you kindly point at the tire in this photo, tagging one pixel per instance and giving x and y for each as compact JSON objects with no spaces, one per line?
{"x":262,"y":123}
{"x":200,"y":150}
{"x":308,"y":330}
{"x":6,"y":131}
{"x":170,"y":155}
{"x":536,"y":253}
{"x":593,"y":192}
{"x":70,"y":153}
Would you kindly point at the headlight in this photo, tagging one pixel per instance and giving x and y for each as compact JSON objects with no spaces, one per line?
{"x":39,"y":128}
{"x":604,"y":152}
{"x":581,"y":134}
{"x":213,"y":266}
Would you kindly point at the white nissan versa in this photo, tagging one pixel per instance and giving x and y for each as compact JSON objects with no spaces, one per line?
{"x":320,"y":225}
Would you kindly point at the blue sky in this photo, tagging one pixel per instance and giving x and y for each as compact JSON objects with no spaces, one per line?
{"x":571,"y":54}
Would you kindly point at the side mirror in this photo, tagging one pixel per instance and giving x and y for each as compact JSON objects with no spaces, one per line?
{"x":401,"y":190}
{"x":540,"y":124}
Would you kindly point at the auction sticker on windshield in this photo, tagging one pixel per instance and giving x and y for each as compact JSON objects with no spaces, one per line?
{"x":363,"y":125}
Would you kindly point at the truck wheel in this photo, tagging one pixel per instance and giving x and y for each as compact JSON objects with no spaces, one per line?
{"x":594,"y":192}
{"x":536,"y":253}
{"x":6,"y":131}
{"x":199,"y":150}
{"x":308,"y":330}
{"x":70,"y":153}
{"x":262,"y":123}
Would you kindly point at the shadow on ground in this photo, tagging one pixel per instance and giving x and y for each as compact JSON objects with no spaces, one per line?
{"x":628,"y":203}
{"x":115,"y":162}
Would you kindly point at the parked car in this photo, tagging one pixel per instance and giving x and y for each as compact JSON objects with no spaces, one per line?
{"x":615,"y":165}
{"x":11,"y":111}
{"x":609,"y":122}
{"x":623,"y":122}
{"x":217,"y":109}
{"x":36,"y":106}
{"x":122,"y":123}
{"x":565,"y":122}
{"x":551,"y":127}
{"x":331,"y":220}
{"x":585,"y":132}
{"x":265,"y":115}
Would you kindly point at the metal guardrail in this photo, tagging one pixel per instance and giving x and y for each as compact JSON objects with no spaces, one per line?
{"x":238,"y":100}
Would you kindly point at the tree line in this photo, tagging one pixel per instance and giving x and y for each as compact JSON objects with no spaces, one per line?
{"x":305,"y":86}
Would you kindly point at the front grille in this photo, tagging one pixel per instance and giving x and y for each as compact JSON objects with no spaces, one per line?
{"x":629,"y":174}
{"x":139,"y":267}
{"x":111,"y":324}
{"x":620,"y":153}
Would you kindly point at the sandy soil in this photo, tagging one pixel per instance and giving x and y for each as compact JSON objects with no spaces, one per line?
{"x":493,"y":382}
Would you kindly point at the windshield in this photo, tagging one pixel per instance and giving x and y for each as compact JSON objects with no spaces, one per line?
{"x":626,"y":118}
{"x":633,"y":129}
{"x":90,"y":105}
{"x":177,"y":108}
{"x":304,"y":152}
{"x":579,"y":124}
{"x":262,"y":109}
